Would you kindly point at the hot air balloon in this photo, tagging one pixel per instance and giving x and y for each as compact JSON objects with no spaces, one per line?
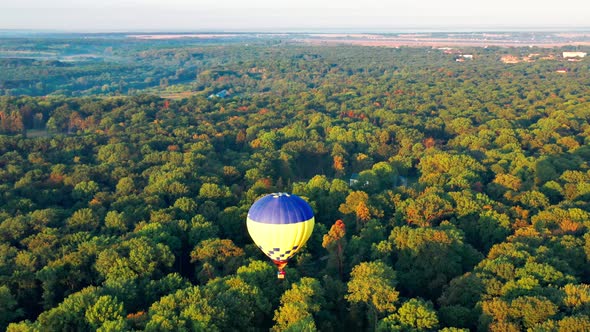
{"x":280,"y":224}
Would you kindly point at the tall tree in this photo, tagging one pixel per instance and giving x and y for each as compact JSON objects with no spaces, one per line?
{"x":372,"y":284}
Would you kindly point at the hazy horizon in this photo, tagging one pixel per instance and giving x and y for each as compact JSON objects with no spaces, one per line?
{"x":295,"y":30}
{"x":289,"y":15}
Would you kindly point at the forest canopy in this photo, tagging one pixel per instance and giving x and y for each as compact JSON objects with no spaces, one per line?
{"x":448,"y":195}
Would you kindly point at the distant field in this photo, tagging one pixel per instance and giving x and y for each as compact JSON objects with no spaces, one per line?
{"x":179,"y":95}
{"x":25,"y":54}
{"x":177,"y":36}
{"x":422,"y":41}
{"x":32,"y":133}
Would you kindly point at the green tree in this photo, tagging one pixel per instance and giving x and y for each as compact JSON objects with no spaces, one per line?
{"x":9,"y":311}
{"x":186,"y":309}
{"x":299,"y":304}
{"x":427,"y":209}
{"x":216,"y":257}
{"x":413,"y":315}
{"x":335,"y":242}
{"x":373,"y":285}
{"x":70,"y":314}
{"x":84,"y":219}
{"x":116,"y":221}
{"x":105,"y":309}
{"x":428,"y":258}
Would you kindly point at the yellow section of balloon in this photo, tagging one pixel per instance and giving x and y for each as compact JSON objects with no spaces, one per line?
{"x":280,"y":241}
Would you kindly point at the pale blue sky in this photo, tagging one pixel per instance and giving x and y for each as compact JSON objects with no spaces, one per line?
{"x":256,"y":15}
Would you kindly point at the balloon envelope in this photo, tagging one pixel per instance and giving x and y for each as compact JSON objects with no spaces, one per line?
{"x":280,"y":224}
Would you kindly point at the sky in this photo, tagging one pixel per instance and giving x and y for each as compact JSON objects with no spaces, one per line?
{"x":290,"y":15}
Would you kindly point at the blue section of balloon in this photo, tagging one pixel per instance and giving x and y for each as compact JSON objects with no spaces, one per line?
{"x":280,"y":208}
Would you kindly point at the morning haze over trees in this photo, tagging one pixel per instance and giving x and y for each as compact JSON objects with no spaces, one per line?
{"x":450,"y":186}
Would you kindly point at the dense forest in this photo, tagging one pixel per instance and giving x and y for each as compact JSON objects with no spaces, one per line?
{"x":448,"y":195}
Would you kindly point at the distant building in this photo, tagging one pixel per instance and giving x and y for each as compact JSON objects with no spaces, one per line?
{"x":462,"y":57}
{"x":561,"y":70}
{"x":449,"y":50}
{"x":574,"y":54}
{"x":402,"y":181}
{"x":354,"y":179}
{"x":220,"y":94}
